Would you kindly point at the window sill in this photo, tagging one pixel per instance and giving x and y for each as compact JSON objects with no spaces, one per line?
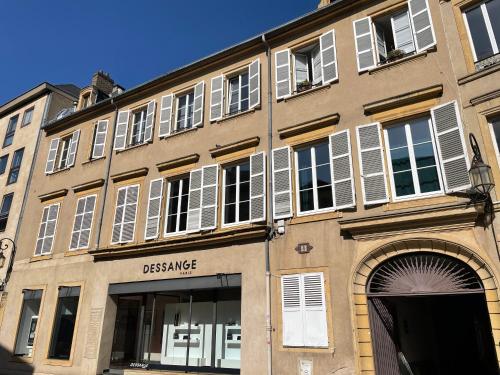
{"x":58,"y":171}
{"x":315,"y":216}
{"x":236,"y":115}
{"x":479,"y":74}
{"x":307,"y":92}
{"x":419,"y":202}
{"x":89,"y":161}
{"x":180,"y":132}
{"x":76,"y":252}
{"x":38,"y":258}
{"x":133,"y":147}
{"x":390,"y":65}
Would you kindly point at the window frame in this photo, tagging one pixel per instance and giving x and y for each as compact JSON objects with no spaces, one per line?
{"x":311,"y":45}
{"x":15,"y":168}
{"x":236,"y":164}
{"x":143,"y":110}
{"x":83,"y":214}
{"x":30,"y":110}
{"x":6,"y":158}
{"x":181,"y":179}
{"x":496,"y":147}
{"x":5,"y":216}
{"x":9,"y":133}
{"x":55,"y":229}
{"x":228,"y":79}
{"x":60,"y":151}
{"x":186,"y":94}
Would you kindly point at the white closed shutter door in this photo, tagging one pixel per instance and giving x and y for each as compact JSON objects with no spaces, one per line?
{"x":254,"y":83}
{"x":371,"y":164}
{"x":154,"y":209}
{"x":82,"y":226}
{"x":342,"y":174}
{"x":41,"y":231}
{"x":130,"y":213}
{"x":422,"y":24}
{"x":51,"y":157}
{"x":121,"y":130}
{"x":150,"y":121}
{"x":291,"y":305}
{"x":77,"y":225}
{"x":119,"y":210}
{"x":194,"y":201}
{"x":100,"y":139}
{"x":47,"y":230}
{"x":282,"y":183}
{"x":257,"y":187}
{"x":73,"y":147}
{"x":166,"y":115}
{"x":199,"y":91}
{"x":363,"y":36}
{"x":216,"y":98}
{"x":315,"y":322}
{"x":282,"y":74}
{"x":452,"y":150}
{"x":209,"y":197}
{"x":328,"y":57}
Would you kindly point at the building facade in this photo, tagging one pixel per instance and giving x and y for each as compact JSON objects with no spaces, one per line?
{"x":297,"y":204}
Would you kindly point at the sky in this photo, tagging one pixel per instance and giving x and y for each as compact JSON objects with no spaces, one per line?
{"x":66,"y":41}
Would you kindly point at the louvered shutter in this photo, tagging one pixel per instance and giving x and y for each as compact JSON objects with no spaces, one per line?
{"x":257,"y":187}
{"x":254,"y":83}
{"x":117,"y":222}
{"x":77,"y":225}
{"x":100,"y":139}
{"x":342,"y":175}
{"x":282,"y":74}
{"x":328,"y":57}
{"x":166,"y":115}
{"x":371,"y":164}
{"x":363,"y":36}
{"x":41,"y":231}
{"x":194,"y":201}
{"x":314,"y":305}
{"x":130,"y":213}
{"x":47,"y":229}
{"x":51,"y":157}
{"x":121,"y":130}
{"x":316,"y":65}
{"x":73,"y":147}
{"x":293,"y":322}
{"x":83,"y":223}
{"x":209,"y":197}
{"x":216,"y":98}
{"x":154,"y":209}
{"x":422,"y":24}
{"x":150,"y":120}
{"x":199,"y":90}
{"x":282,"y":183}
{"x":452,"y":151}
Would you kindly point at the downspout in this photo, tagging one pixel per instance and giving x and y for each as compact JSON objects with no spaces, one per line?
{"x":270,"y":219}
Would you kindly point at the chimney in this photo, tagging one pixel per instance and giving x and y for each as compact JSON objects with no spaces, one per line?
{"x":103,"y":82}
{"x":323,"y":3}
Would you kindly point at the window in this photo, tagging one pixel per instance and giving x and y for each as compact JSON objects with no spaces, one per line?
{"x":125,"y":213}
{"x":412,"y":159}
{"x":138,"y":127}
{"x":11,"y":130}
{"x":82,"y":226}
{"x":483,"y":25}
{"x":177,"y":206}
{"x":236,"y":194}
{"x":27,"y":117}
{"x":238,"y":93}
{"x":307,"y":68}
{"x":304,"y":310}
{"x":3,"y":163}
{"x":495,"y":135}
{"x":62,"y":152}
{"x":47,"y":230}
{"x":15,"y":166}
{"x":4,"y":210}
{"x":26,"y":331}
{"x":64,"y":323}
{"x":85,"y":101}
{"x":99,"y":139}
{"x":134,"y":127}
{"x":184,"y":119}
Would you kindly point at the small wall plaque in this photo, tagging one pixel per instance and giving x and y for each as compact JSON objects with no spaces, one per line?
{"x":303,"y":248}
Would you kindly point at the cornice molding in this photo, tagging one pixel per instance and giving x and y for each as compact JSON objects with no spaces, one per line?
{"x":308,"y":126}
{"x":88,"y":185}
{"x":234,"y":147}
{"x":53,"y":195}
{"x":178,"y":162}
{"x":129,"y":174}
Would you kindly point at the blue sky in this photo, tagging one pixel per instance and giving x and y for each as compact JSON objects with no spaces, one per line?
{"x":66,"y":41}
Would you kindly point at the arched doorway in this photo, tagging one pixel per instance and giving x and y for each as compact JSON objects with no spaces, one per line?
{"x":428,"y":315}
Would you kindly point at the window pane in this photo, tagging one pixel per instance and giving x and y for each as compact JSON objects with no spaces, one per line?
{"x":322,"y":154}
{"x":305,"y":179}
{"x":424,"y":155}
{"x":172,"y":205}
{"x":493,"y":8}
{"x":183,"y":221}
{"x":306,"y":200}
{"x":64,"y":323}
{"x":325,"y":198}
{"x":244,"y":211}
{"x":230,"y":213}
{"x":479,"y":34}
{"x":403,"y":183}
{"x":126,"y":336}
{"x":230,"y":175}
{"x":323,"y":176}
{"x":6,"y":203}
{"x":245,"y":172}
{"x":304,"y":158}
{"x":419,"y":130}
{"x":27,"y":325}
{"x":172,"y":224}
{"x":400,"y":159}
{"x":3,"y":163}
{"x":397,"y":136}
{"x":245,"y":191}
{"x":230,"y":194}
{"x":495,"y":124}
{"x":428,"y":179}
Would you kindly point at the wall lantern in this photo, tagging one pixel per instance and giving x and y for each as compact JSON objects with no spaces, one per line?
{"x":480,"y":173}
{"x":6,"y":244}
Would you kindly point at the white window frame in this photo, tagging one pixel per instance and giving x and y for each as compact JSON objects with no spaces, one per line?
{"x":58,"y":204}
{"x":411,"y":153}
{"x":228,"y":90}
{"x":493,"y":137}
{"x":165,"y":226}
{"x":237,"y":202}
{"x":142,"y":127}
{"x":62,"y":142}
{"x":489,"y":29}
{"x":316,"y":43}
{"x":315,"y":182}
{"x":177,"y":98}
{"x":91,"y":222}
{"x":30,"y":111}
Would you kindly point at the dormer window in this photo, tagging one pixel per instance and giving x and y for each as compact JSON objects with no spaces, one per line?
{"x":85,"y":100}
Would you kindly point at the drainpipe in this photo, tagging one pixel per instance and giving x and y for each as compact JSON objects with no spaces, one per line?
{"x":270,"y":228}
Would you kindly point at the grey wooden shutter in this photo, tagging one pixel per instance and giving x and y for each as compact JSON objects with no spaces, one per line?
{"x":282,"y":183}
{"x":254,"y":83}
{"x":315,"y":323}
{"x":257,"y":187}
{"x":363,"y":36}
{"x":166,"y":115}
{"x":100,"y":139}
{"x":130,"y":213}
{"x":154,"y":209}
{"x":121,"y":130}
{"x":51,"y":157}
{"x":73,"y":147}
{"x":342,"y":175}
{"x":199,"y":91}
{"x":119,"y":210}
{"x":328,"y":57}
{"x":194,"y":201}
{"x":216,"y":98}
{"x":282,"y":74}
{"x":422,"y":24}
{"x":371,"y":164}
{"x":450,"y":143}
{"x":209,"y":197}
{"x":150,"y":120}
{"x":291,"y":306}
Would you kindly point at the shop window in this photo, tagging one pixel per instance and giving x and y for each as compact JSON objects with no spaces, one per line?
{"x":3,"y":163}
{"x":47,"y":230}
{"x":4,"y":210}
{"x":11,"y":130}
{"x":177,"y":206}
{"x":236,"y":196}
{"x":26,"y":331}
{"x":27,"y":116}
{"x":64,"y":323}
{"x":15,"y":166}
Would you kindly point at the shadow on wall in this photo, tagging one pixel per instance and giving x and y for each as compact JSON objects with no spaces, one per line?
{"x":9,"y":365}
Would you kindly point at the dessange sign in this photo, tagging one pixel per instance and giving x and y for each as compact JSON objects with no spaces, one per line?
{"x":185,"y":267}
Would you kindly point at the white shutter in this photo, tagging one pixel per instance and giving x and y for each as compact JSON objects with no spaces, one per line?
{"x":452,"y":151}
{"x":83,"y":222}
{"x":166,"y":115}
{"x":121,"y":130}
{"x":154,"y":209}
{"x":257,"y":187}
{"x":119,"y":210}
{"x":282,"y":183}
{"x":422,"y":24}
{"x":73,"y":146}
{"x":51,"y":157}
{"x":100,"y":139}
{"x":293,"y":322}
{"x":371,"y":164}
{"x":77,"y":224}
{"x":209,"y":197}
{"x":150,"y":121}
{"x":381,"y":48}
{"x":194,"y":201}
{"x":130,"y":213}
{"x":328,"y":57}
{"x":363,"y":36}
{"x":342,"y":174}
{"x":254,"y":83}
{"x":315,"y":323}
{"x":47,"y":230}
{"x":401,"y":29}
{"x":199,"y":91}
{"x":282,"y":74}
{"x":216,"y":98}
{"x":316,"y":66}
